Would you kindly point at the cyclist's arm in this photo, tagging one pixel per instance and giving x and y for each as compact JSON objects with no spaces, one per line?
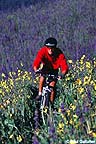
{"x":63,"y":65}
{"x":35,"y":69}
{"x":38,"y":60}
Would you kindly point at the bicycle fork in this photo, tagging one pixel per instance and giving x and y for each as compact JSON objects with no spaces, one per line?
{"x":45,"y":102}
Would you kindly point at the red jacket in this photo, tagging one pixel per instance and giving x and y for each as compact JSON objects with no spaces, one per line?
{"x":51,"y":62}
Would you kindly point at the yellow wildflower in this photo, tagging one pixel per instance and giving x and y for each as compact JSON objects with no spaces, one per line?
{"x":62,"y":115}
{"x":65,"y":120}
{"x":11,"y":136}
{"x":83,"y":95}
{"x":14,"y":73}
{"x":3,"y":75}
{"x":71,"y":121}
{"x":82,"y":59}
{"x":77,"y":125}
{"x":87,"y":80}
{"x":67,"y":78}
{"x":1,"y":106}
{"x":94,"y":134}
{"x":81,"y":62}
{"x":68,"y":112}
{"x":21,"y":64}
{"x":1,"y":91}
{"x":88,"y":65}
{"x":11,"y":82}
{"x":45,"y":110}
{"x":78,"y":81}
{"x":93,"y":115}
{"x":59,"y":110}
{"x":73,"y":142}
{"x":75,"y":116}
{"x":61,"y":125}
{"x":60,"y":128}
{"x":91,"y":82}
{"x":70,"y":61}
{"x":7,"y":102}
{"x":73,"y":107}
{"x":19,"y":73}
{"x":37,"y":131}
{"x":10,"y":74}
{"x":19,"y":138}
{"x":80,"y":90}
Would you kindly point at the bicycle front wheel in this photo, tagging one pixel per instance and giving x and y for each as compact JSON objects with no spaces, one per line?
{"x":45,"y":107}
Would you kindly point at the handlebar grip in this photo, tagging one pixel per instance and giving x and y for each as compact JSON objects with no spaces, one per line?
{"x":38,"y":72}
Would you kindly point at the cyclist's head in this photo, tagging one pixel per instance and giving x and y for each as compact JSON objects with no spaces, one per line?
{"x":51,"y":42}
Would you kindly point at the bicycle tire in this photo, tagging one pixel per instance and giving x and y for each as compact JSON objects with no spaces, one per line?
{"x":44,"y":106}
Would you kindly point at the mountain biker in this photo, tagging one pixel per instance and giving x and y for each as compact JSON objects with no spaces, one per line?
{"x":52,"y":59}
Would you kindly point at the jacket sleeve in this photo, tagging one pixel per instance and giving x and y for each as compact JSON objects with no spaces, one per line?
{"x":63,"y":63}
{"x":37,"y":61}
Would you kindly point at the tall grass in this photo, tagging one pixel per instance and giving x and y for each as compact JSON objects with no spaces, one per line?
{"x":75,"y":107}
{"x":24,"y":30}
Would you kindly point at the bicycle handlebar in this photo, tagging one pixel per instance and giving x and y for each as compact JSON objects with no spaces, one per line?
{"x":38,"y":72}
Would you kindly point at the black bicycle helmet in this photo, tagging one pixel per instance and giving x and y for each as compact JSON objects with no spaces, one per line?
{"x":51,"y":42}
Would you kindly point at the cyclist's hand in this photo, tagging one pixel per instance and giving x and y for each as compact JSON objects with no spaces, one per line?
{"x":39,"y":71}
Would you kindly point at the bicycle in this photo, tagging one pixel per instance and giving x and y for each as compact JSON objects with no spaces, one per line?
{"x":44,"y":102}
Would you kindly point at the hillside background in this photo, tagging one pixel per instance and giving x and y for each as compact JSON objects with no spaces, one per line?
{"x":25,"y":25}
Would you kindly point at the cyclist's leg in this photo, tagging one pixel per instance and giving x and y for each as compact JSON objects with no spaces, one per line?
{"x":41,"y":82}
{"x":53,"y":83}
{"x":52,"y":96}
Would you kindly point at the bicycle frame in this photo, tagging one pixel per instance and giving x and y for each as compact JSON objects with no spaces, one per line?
{"x":45,"y":100}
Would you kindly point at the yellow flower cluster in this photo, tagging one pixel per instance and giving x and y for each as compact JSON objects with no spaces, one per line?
{"x":19,"y":138}
{"x":80,"y":76}
{"x":93,"y":134}
{"x":83,"y":71}
{"x":60,"y":128}
{"x":72,"y":142}
{"x":7,"y":86}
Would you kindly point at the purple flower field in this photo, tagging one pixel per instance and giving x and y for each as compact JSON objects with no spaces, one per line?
{"x":24,"y":30}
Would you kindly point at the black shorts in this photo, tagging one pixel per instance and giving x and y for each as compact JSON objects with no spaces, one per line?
{"x":45,"y":71}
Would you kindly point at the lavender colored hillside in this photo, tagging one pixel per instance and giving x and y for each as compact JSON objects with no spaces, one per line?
{"x":24,"y":30}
